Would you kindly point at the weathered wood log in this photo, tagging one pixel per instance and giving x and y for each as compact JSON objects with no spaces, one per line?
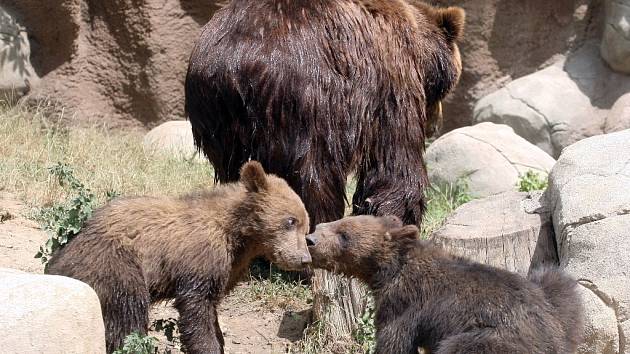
{"x":511,"y":230}
{"x":338,"y":302}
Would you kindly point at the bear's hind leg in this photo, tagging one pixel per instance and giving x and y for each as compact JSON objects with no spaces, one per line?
{"x":199,"y":324}
{"x":381,"y":191}
{"x":125,"y":299}
{"x":481,"y":341}
{"x":115,"y":273}
{"x":124,"y":312}
{"x":391,"y":175}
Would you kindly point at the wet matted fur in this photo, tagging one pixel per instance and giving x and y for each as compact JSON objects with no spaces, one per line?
{"x":428,"y":298}
{"x":193,"y":249}
{"x":317,"y":89}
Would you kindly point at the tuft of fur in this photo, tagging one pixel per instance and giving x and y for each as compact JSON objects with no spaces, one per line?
{"x":318,"y":89}
{"x":428,"y":298}
{"x":561,"y":291}
{"x":450,"y":20}
{"x":137,"y":251}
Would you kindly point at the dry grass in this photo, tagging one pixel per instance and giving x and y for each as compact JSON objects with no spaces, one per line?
{"x":104,"y":161}
{"x":275,"y":288}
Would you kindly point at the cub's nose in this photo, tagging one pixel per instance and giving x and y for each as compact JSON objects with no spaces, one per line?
{"x":311,"y":240}
{"x":306,"y":258}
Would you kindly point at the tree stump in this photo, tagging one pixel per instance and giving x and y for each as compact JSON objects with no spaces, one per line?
{"x":510,"y":230}
{"x":338,"y":302}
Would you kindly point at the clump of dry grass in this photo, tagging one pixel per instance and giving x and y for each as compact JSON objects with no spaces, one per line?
{"x":105,"y":161}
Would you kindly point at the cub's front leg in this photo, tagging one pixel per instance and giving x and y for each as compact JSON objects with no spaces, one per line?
{"x":396,"y":337}
{"x":199,"y":324}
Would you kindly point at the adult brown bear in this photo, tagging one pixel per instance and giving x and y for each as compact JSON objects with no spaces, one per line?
{"x":317,"y":89}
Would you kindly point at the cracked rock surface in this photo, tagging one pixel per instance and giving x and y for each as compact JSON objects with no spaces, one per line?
{"x":490,"y":157}
{"x":505,"y":40}
{"x":562,"y":104}
{"x":616,"y":41}
{"x":589,"y":197}
{"x":16,"y":71}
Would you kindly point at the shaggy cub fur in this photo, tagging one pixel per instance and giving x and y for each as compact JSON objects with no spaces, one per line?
{"x":138,"y":251}
{"x":447,"y":304}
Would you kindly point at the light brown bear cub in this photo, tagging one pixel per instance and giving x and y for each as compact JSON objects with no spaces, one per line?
{"x":446,"y":304}
{"x":193,"y":249}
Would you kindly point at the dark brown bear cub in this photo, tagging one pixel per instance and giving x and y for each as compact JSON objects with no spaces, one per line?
{"x":447,"y":304}
{"x":193,"y":249}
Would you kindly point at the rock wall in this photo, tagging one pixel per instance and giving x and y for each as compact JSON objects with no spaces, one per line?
{"x":505,"y":40}
{"x":561,"y":104}
{"x":123,"y":61}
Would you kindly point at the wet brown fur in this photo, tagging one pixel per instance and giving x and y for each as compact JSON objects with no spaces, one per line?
{"x":428,"y":298}
{"x":319,"y":89}
{"x":194,"y":249}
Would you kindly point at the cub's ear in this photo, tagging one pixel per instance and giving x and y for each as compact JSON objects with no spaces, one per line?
{"x":253,"y":177}
{"x":451,"y":20}
{"x":409,"y":231}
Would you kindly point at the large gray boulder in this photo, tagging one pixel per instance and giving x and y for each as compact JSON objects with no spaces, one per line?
{"x":511,"y":230}
{"x":619,"y":117}
{"x":560,"y":105}
{"x":173,"y":138}
{"x":589,"y":197}
{"x":490,"y":157}
{"x":48,"y":314}
{"x":616,"y":41}
{"x":507,"y":39}
{"x":16,"y":72}
{"x":601,"y":332}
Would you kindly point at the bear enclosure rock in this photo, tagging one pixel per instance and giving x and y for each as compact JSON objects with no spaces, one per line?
{"x":490,"y":157}
{"x":589,"y":199}
{"x":600,"y":325}
{"x":616,"y":41}
{"x":16,"y":72}
{"x":510,"y":230}
{"x":173,"y":138}
{"x":564,"y":103}
{"x":121,"y":61}
{"x":505,"y":40}
{"x":619,"y":117}
{"x":48,"y":314}
{"x":124,"y":61}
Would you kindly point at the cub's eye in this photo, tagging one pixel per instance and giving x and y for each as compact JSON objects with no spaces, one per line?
{"x":291,"y":223}
{"x":343,"y":238}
